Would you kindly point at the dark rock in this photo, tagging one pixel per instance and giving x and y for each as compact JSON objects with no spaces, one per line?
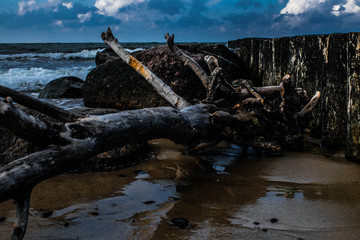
{"x":65,"y":87}
{"x":174,"y":198}
{"x":2,"y":219}
{"x":114,"y":84}
{"x":180,"y":222}
{"x":94,"y":213}
{"x":44,"y":213}
{"x":274,"y":220}
{"x":149,"y":202}
{"x":105,"y":55}
{"x":328,"y":63}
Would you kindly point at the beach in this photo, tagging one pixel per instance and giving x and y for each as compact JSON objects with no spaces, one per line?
{"x":223,"y":195}
{"x":219,"y":193}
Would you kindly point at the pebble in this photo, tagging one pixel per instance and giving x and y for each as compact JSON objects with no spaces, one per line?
{"x":2,"y":219}
{"x":180,"y":222}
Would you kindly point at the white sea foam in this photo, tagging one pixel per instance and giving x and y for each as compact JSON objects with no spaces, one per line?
{"x":86,"y":54}
{"x":134,"y":50}
{"x":34,"y":79}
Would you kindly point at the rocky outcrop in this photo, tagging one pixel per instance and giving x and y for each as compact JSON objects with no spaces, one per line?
{"x":116,"y":85}
{"x":329,"y":63}
{"x":64,"y":87}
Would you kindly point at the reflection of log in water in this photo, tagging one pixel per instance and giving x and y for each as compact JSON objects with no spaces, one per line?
{"x":298,"y":189}
{"x":268,"y":119}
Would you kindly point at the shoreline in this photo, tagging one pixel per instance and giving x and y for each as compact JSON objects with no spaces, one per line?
{"x":222,"y":194}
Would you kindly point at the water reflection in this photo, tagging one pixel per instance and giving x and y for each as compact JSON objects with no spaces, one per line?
{"x":224,"y":195}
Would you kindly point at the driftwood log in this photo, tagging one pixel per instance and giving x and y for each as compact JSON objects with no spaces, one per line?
{"x":265,"y":118}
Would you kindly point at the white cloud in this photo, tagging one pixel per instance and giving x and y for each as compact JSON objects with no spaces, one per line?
{"x":111,"y":7}
{"x":59,"y":22}
{"x":213,"y":2}
{"x":222,"y":29}
{"x":32,"y":5}
{"x":297,"y":7}
{"x":84,"y":17}
{"x":68,"y":5}
{"x":350,"y":7}
{"x":27,"y":7}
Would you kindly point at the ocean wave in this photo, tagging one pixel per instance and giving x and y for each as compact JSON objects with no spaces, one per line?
{"x":34,"y":79}
{"x":84,"y":54}
{"x":134,"y":50}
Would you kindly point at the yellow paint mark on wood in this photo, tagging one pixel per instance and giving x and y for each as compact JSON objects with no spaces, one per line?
{"x":139,"y":67}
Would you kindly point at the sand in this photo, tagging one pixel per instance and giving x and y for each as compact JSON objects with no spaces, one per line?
{"x":224,"y":195}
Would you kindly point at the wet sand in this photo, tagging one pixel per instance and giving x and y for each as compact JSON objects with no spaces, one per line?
{"x":223,"y":194}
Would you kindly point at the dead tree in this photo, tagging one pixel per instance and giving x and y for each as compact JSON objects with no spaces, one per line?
{"x":266,"y":118}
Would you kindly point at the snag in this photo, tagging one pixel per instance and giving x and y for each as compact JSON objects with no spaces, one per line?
{"x":269,"y":122}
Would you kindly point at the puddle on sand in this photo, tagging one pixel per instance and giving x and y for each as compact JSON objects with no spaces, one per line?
{"x":223,"y":194}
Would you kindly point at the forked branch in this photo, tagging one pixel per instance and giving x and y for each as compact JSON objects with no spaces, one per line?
{"x":162,"y":89}
{"x":187,"y":60}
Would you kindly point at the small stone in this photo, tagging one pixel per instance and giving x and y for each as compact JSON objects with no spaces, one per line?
{"x":44,"y":213}
{"x":94,"y":213}
{"x":274,"y":220}
{"x":256,"y":223}
{"x":174,"y":198}
{"x":66,"y":224}
{"x":149,"y":202}
{"x":180,"y":222}
{"x":2,"y":219}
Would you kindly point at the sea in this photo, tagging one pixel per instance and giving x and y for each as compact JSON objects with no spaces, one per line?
{"x":28,"y":67}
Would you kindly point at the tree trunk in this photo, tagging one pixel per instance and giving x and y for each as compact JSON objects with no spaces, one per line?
{"x":163,"y":89}
{"x":245,"y":120}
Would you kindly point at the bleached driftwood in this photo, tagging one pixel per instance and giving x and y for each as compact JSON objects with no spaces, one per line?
{"x":76,"y":138}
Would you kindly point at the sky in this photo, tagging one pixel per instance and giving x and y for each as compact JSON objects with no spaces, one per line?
{"x":190,"y":20}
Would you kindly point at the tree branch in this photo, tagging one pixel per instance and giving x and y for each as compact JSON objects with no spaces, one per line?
{"x":22,"y":214}
{"x":310,"y":106}
{"x":164,"y":90}
{"x":93,"y":135}
{"x":187,"y":60}
{"x":25,"y":126}
{"x":43,"y":107}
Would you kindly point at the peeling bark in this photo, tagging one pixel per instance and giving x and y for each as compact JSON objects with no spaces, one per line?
{"x":40,"y":106}
{"x":270,"y":121}
{"x":163,"y":89}
{"x":187,"y":60}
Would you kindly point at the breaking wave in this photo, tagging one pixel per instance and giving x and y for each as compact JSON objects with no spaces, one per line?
{"x":35,"y":78}
{"x":84,"y":54}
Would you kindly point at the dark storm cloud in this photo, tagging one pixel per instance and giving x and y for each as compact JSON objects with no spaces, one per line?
{"x":170,"y":7}
{"x":195,"y":16}
{"x":246,"y":4}
{"x":203,"y":20}
{"x":60,"y":16}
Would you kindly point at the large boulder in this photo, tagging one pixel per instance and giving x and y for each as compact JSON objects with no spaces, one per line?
{"x":64,"y":87}
{"x":114,"y":84}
